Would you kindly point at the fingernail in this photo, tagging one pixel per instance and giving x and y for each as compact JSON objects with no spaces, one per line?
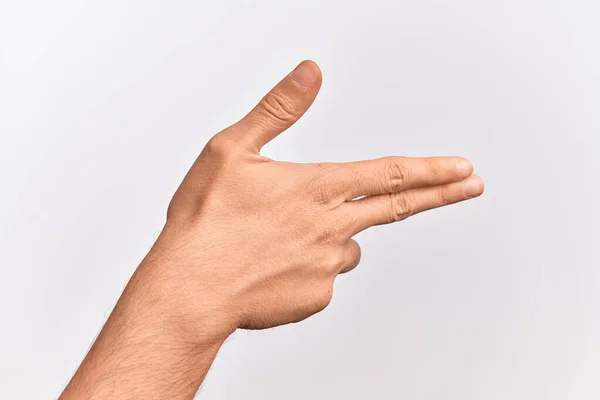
{"x":474,"y":186}
{"x":464,"y":169}
{"x":306,"y":74}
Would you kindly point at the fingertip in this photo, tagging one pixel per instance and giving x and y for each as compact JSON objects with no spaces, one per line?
{"x":307,"y":74}
{"x":464,"y":168}
{"x":474,"y":186}
{"x":482,"y":184}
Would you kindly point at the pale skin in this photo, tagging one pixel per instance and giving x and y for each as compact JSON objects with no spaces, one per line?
{"x":252,"y":243}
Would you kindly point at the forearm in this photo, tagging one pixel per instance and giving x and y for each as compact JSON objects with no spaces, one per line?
{"x":144,"y":350}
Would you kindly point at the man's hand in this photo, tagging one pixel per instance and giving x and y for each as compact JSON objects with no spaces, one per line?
{"x":252,"y":243}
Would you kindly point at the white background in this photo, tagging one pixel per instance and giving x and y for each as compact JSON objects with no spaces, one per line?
{"x":104,"y":105}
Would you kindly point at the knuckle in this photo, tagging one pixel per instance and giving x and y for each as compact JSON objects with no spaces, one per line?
{"x":400,"y":206}
{"x":329,"y":235}
{"x":356,"y":255}
{"x":443,"y":197}
{"x":323,"y":183}
{"x":336,"y":263}
{"x":395,"y":175}
{"x":324,"y":298}
{"x":352,"y":259}
{"x":279,"y":107}
{"x":320,"y":192}
{"x":219,"y":146}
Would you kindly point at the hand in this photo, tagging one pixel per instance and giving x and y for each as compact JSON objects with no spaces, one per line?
{"x":251,"y":243}
{"x":259,"y":242}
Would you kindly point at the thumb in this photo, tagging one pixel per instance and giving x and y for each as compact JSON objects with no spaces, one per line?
{"x":280,"y":108}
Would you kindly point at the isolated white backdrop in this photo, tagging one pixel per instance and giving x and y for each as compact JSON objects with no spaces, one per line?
{"x":105,"y":104}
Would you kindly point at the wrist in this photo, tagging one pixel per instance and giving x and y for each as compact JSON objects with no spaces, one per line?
{"x":157,"y":299}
